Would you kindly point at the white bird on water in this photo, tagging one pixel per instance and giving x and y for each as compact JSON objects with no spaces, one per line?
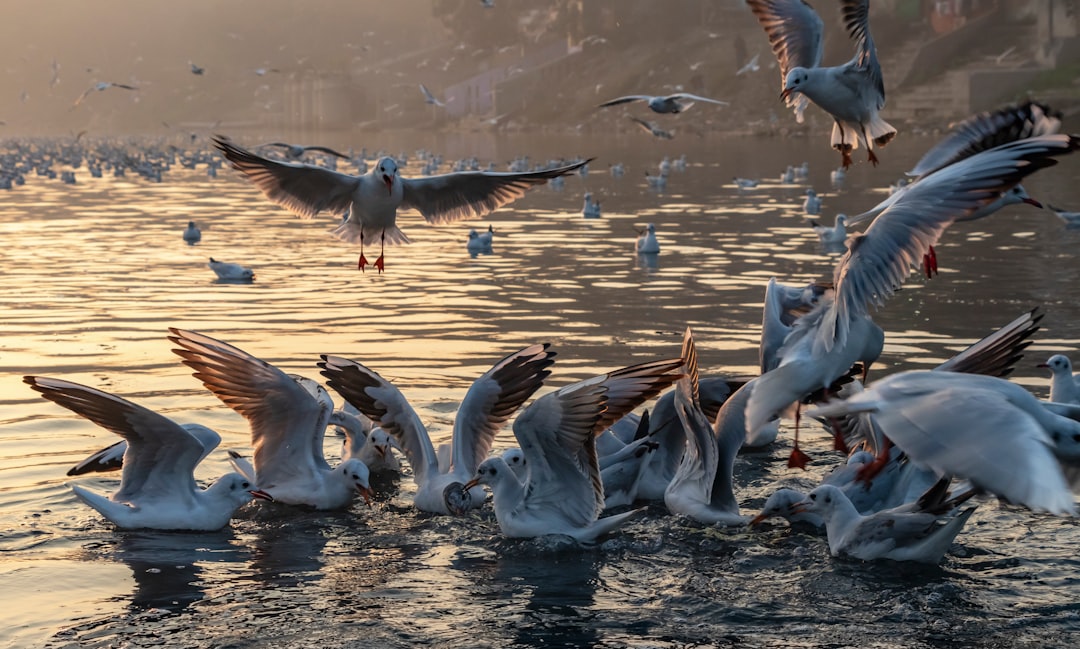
{"x":563,"y":492}
{"x":192,"y":233}
{"x":372,"y":200}
{"x":157,"y":487}
{"x":916,"y":534}
{"x":490,"y":401}
{"x":831,"y":236}
{"x":984,"y":429}
{"x":480,"y":242}
{"x":646,"y":241}
{"x":591,"y":208}
{"x":230,"y":272}
{"x":676,"y":103}
{"x":852,"y":94}
{"x":1064,"y":385}
{"x":288,"y":416}
{"x":702,"y":487}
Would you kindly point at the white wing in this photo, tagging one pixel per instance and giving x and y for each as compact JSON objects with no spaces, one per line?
{"x":161,"y":455}
{"x":304,"y":190}
{"x":795,"y":33}
{"x":492,"y":399}
{"x":287,"y":421}
{"x":556,"y":434}
{"x":380,"y":400}
{"x":472,"y":194}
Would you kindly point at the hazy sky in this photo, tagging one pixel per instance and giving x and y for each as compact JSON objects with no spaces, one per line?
{"x":149,"y":43}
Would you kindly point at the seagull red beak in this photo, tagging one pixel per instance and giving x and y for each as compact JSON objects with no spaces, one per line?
{"x":389,"y":184}
{"x":1033,"y":202}
{"x":757,"y":519}
{"x":366,"y":493}
{"x":1042,"y":365}
{"x":262,"y":495}
{"x":470,"y":484}
{"x":785,"y":93}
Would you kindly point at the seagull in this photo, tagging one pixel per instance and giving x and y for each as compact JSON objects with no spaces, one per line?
{"x":563,"y":492}
{"x":230,"y":272}
{"x":744,"y":183}
{"x":288,"y":415}
{"x":973,"y":135}
{"x":296,"y":151}
{"x":430,"y":98}
{"x":489,"y":403}
{"x":702,"y":487}
{"x":192,"y":234}
{"x":812,"y":204}
{"x":157,"y":488}
{"x":653,"y":129}
{"x":923,"y":535}
{"x":1064,"y":385}
{"x":196,"y":70}
{"x":852,"y":94}
{"x":99,"y":87}
{"x":480,"y":242}
{"x":676,"y":103}
{"x":839,"y":332}
{"x":306,"y":190}
{"x":646,"y":241}
{"x":55,"y":74}
{"x":830,"y":236}
{"x":751,"y":66}
{"x":984,"y":429}
{"x":1071,"y":219}
{"x":591,"y":208}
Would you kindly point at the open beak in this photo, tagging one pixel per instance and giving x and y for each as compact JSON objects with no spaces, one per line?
{"x":799,"y":508}
{"x":1034,"y":203}
{"x":261,"y":495}
{"x":389,"y":184}
{"x":785,"y":93}
{"x":1043,"y":366}
{"x":757,"y":519}
{"x":470,"y":484}
{"x":366,"y":493}
{"x":381,"y":450}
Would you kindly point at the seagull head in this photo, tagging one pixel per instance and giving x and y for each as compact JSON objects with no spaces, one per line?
{"x":356,"y":473}
{"x":1057,"y":363}
{"x":1019,"y":195}
{"x":794,"y":81}
{"x":386,"y":170}
{"x":489,"y":471}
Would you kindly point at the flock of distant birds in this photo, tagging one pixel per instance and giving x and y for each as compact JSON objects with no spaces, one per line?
{"x":924,"y":446}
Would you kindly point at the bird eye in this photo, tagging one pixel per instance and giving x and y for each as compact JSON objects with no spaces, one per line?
{"x":813,"y":496}
{"x":493,"y":472}
{"x":1076,"y":438}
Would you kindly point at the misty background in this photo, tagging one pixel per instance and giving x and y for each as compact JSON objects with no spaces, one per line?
{"x":275,"y":66}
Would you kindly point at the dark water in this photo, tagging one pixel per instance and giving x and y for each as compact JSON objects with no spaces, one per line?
{"x":94,"y":274}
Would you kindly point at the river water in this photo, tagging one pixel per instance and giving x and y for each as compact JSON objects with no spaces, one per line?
{"x":94,"y":274}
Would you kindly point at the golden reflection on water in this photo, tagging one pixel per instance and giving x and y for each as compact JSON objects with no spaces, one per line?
{"x":95,"y":273}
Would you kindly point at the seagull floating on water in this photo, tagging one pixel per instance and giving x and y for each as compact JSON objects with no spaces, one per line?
{"x":192,"y":233}
{"x":230,"y":272}
{"x":1064,"y":385}
{"x":490,"y":401}
{"x":288,"y":416}
{"x":646,"y":241}
{"x":157,"y":488}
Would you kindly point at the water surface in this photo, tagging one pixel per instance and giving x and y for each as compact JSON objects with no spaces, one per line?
{"x":95,"y":273}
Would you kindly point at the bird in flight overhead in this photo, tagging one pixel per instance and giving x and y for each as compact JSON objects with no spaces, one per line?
{"x":99,"y":87}
{"x":676,"y":103}
{"x":430,"y":98}
{"x":372,"y":200}
{"x":852,"y":93}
